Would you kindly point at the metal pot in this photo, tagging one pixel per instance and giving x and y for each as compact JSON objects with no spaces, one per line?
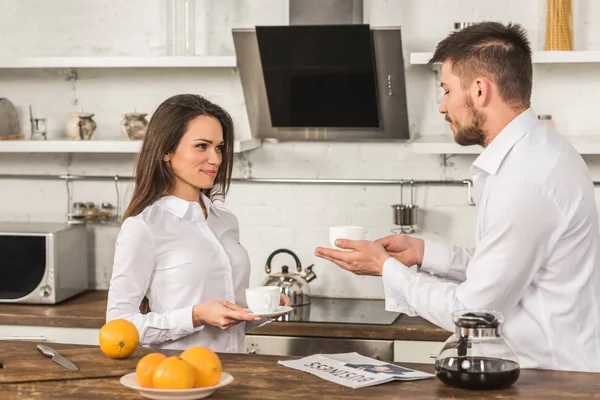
{"x":405,"y":215}
{"x":292,"y":284}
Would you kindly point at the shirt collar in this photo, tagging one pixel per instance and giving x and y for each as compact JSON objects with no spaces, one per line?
{"x":492,"y":157}
{"x":179,"y":207}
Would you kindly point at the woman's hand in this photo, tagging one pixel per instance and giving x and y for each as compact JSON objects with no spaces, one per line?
{"x":220,"y":313}
{"x":284,"y":300}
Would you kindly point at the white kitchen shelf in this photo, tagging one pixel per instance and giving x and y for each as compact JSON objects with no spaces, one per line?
{"x":589,"y":144}
{"x":441,"y":145}
{"x":119,"y":62}
{"x":94,"y":146}
{"x":539,"y":57}
{"x":246,"y":145}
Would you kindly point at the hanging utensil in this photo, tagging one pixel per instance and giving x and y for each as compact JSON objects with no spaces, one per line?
{"x":405,"y":215}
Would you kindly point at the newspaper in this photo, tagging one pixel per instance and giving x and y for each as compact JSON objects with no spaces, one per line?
{"x":354,"y":370}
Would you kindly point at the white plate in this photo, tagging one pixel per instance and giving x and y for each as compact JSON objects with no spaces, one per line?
{"x":130,"y":381}
{"x":281,"y":310}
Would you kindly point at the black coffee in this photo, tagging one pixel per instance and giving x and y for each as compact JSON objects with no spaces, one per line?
{"x":477,"y":373}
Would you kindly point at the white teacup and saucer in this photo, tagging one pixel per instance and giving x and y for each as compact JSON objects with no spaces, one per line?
{"x":263,"y":301}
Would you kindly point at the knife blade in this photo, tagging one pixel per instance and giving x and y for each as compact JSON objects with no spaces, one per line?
{"x":57,"y":358}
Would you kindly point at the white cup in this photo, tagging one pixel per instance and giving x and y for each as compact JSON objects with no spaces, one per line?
{"x":345,"y":232}
{"x":263,"y":298}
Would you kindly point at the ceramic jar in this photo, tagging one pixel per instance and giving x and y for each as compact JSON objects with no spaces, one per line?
{"x":81,"y":126}
{"x":134,"y":125}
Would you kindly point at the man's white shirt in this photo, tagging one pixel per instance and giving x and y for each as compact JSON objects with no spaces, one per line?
{"x":536,"y":257}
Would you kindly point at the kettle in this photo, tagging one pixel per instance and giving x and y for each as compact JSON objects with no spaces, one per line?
{"x":292,"y":284}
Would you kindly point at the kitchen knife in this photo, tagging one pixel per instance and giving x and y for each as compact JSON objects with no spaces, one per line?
{"x":57,"y":358}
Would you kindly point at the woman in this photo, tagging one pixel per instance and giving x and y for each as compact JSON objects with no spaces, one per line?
{"x":175,"y":247}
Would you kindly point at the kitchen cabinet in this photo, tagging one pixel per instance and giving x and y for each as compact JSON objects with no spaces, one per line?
{"x":413,"y":351}
{"x":399,"y":351}
{"x":51,"y":334}
{"x":306,"y":346}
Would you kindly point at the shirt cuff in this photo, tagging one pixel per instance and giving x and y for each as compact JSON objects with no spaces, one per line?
{"x":436,"y":257}
{"x":396,"y":276}
{"x":181,"y":322}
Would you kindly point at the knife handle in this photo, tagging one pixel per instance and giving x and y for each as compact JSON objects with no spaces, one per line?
{"x":45,"y":350}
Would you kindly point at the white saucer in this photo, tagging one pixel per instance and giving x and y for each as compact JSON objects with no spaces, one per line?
{"x":130,"y":381}
{"x":281,"y":310}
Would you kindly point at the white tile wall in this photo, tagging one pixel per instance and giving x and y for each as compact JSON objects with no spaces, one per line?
{"x":271,"y":215}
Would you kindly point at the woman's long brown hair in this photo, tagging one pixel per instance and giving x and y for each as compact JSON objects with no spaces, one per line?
{"x":153,"y":178}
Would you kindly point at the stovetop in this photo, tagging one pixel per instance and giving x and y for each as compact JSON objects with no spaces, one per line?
{"x":342,"y":311}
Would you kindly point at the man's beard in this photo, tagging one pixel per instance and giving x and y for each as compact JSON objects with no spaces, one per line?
{"x":472,"y":134}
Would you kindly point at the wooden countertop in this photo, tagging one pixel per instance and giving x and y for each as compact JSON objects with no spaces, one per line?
{"x":404,"y":328}
{"x":87,"y":310}
{"x":260,"y":377}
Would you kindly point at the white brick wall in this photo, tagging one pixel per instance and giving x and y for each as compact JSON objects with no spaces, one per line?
{"x":271,"y":215}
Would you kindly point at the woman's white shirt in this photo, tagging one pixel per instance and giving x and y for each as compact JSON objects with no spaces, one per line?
{"x":177,"y":258}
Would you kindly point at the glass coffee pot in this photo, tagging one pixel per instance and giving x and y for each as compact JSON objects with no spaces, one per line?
{"x":477,"y":356}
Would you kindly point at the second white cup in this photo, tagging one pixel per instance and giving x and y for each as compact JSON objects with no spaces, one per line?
{"x":345,"y":232}
{"x":263,"y":298}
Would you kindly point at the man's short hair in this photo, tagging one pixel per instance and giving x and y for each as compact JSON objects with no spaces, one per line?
{"x":499,"y":52}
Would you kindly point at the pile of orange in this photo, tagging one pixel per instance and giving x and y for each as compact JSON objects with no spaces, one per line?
{"x":196,"y":367}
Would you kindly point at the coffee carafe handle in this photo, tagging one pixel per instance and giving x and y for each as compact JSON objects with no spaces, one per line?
{"x":296,"y":259}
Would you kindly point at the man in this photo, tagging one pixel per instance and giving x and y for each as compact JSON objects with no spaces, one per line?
{"x":536,"y":258}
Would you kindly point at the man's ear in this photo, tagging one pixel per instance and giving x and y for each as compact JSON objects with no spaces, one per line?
{"x":481,"y":91}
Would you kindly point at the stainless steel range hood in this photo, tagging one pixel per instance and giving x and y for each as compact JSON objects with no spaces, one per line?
{"x":326,"y":76}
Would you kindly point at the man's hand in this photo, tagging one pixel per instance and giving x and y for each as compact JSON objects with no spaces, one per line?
{"x":367,"y":258}
{"x":408,"y":250}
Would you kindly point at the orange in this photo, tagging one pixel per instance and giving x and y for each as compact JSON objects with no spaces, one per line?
{"x":173,"y":373}
{"x":145,"y":368}
{"x":207,"y":366}
{"x":118,"y":338}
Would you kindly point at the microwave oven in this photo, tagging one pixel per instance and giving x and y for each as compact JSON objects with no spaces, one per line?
{"x":42,"y":263}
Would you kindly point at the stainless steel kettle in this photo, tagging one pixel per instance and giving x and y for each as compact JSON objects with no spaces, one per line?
{"x":293,"y":284}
